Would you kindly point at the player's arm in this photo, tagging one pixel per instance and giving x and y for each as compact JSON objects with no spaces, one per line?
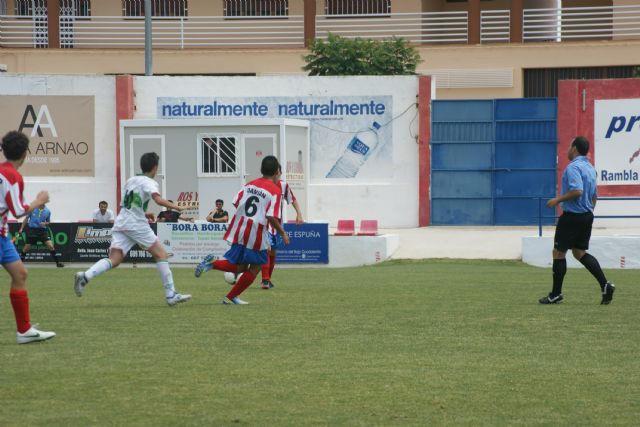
{"x":186,"y":218}
{"x":296,"y":206}
{"x":569,"y":195}
{"x":24,"y":224}
{"x":47,"y":220}
{"x":165,"y":203}
{"x":223,"y":219}
{"x":210,"y":217}
{"x":41,"y":198}
{"x":275,"y":223}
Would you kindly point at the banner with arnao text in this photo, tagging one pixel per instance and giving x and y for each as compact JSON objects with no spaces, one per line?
{"x":60,"y":129}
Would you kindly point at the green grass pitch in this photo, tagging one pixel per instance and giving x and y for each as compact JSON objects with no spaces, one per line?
{"x":439,"y":342}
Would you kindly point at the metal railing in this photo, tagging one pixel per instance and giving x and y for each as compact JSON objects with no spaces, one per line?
{"x":182,"y":32}
{"x":24,"y":31}
{"x":558,"y":24}
{"x":552,"y":24}
{"x":437,"y":27}
{"x":495,"y":26}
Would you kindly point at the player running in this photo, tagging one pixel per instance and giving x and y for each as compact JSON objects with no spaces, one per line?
{"x":132,"y":226}
{"x":14,"y":147}
{"x":275,"y":241}
{"x":256,"y":204}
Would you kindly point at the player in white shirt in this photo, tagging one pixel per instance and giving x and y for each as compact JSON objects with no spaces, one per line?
{"x":103,"y":214}
{"x":132,"y":226}
{"x":256,"y":206}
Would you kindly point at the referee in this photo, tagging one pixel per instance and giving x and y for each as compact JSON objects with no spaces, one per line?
{"x":36,"y":223}
{"x":574,"y":225}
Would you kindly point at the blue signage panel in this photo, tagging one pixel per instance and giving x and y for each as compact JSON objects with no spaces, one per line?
{"x":309,"y":243}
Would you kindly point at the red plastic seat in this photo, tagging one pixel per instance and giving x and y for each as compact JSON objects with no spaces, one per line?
{"x":346,"y":227}
{"x":368,"y":227}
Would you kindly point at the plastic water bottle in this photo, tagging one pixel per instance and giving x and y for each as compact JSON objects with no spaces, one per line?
{"x":357,"y":152}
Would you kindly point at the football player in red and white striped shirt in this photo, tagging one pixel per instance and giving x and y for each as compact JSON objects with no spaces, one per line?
{"x":276,"y":242}
{"x":256,"y":204}
{"x":14,"y":146}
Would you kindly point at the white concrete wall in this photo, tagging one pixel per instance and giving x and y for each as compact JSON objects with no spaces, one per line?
{"x":611,"y":251}
{"x":393,"y":202}
{"x":74,"y":198}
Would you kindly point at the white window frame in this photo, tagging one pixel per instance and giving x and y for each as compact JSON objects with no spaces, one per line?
{"x":238,"y":165}
{"x":232,"y":7}
{"x":137,"y":7}
{"x":356,"y":7}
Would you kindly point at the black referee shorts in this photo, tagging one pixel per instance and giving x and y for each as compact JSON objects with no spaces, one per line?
{"x":573,"y":231}
{"x":35,"y":235}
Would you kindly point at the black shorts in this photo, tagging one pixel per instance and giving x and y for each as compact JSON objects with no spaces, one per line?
{"x":573,"y":231}
{"x":35,"y":235}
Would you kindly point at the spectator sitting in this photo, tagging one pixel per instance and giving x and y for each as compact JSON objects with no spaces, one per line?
{"x":102,"y":214}
{"x":170,"y":215}
{"x":218,"y":214}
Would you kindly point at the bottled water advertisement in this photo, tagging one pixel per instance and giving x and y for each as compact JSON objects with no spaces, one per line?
{"x":351,"y":136}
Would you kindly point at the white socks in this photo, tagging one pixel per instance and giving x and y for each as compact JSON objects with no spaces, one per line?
{"x":167,"y":278}
{"x":98,"y":268}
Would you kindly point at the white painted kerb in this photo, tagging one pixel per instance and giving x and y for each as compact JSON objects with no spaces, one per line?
{"x":611,"y":251}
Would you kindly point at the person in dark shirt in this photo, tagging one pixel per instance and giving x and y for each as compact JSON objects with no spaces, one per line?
{"x":219,"y":214}
{"x":170,"y":215}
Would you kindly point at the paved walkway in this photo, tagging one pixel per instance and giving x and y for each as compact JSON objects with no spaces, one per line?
{"x":475,"y":242}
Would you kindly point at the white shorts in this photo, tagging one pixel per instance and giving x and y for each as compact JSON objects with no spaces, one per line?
{"x":125,"y":240}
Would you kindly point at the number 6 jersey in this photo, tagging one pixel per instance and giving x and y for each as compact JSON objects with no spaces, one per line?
{"x":256,"y":201}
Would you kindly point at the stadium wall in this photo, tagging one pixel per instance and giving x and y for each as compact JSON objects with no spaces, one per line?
{"x":72,"y":197}
{"x":389,"y":187}
{"x":576,"y":116}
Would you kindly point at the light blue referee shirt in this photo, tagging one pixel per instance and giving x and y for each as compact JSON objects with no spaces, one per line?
{"x":579,"y":175}
{"x":38,"y":216}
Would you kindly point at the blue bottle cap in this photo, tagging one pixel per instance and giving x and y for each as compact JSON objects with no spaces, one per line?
{"x":376,"y":125}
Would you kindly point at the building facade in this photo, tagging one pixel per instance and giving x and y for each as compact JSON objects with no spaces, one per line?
{"x":474,"y":48}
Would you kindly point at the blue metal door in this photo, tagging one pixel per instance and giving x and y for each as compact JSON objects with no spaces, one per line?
{"x":493,"y":161}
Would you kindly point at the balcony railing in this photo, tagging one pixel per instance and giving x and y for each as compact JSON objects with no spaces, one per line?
{"x":554,"y":25}
{"x":495,"y":26}
{"x":182,"y":32}
{"x":437,"y":27}
{"x":607,"y":22}
{"x":24,"y":31}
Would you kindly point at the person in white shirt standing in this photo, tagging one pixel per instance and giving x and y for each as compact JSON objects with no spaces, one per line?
{"x":132,"y":226}
{"x":103,"y":214}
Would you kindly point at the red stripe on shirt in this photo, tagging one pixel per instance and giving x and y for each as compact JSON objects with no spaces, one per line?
{"x":258,"y":243}
{"x":229,"y":228}
{"x":246,"y":237}
{"x":237,"y":233}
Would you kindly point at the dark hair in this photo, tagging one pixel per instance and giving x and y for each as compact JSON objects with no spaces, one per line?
{"x":582,"y":145}
{"x":14,"y":144}
{"x":102,"y":202}
{"x":220,"y":201}
{"x":148,"y":161}
{"x":269,"y":166}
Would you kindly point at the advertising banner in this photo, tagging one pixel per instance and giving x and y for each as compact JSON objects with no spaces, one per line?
{"x":617,"y":141}
{"x":186,"y":243}
{"x":351,"y":136}
{"x":189,"y":243}
{"x":91,"y":241}
{"x":309,"y":243}
{"x":60,"y":129}
{"x":77,"y":242}
{"x":59,"y":234}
